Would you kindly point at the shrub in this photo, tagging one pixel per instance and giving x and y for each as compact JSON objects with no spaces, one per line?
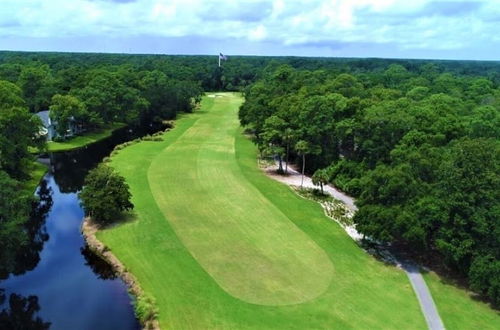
{"x":145,"y":308}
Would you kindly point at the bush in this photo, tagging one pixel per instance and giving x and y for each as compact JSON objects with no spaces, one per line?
{"x":345,"y":175}
{"x":145,"y":308}
{"x":484,"y":277}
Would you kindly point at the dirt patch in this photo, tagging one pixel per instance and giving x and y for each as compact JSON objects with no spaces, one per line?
{"x":89,"y":230}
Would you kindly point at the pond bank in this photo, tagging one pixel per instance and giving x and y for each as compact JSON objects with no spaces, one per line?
{"x":37,"y":172}
{"x":84,"y":140}
{"x":89,"y":230}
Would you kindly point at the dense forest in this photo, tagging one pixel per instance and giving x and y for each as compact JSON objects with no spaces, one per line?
{"x":418,"y":144}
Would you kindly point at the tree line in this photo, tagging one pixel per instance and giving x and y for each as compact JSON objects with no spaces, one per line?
{"x":417,"y":145}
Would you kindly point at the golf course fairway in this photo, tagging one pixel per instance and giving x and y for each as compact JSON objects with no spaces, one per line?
{"x":220,"y":245}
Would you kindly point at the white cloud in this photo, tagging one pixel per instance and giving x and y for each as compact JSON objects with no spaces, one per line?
{"x":419,"y":24}
{"x":257,"y":34}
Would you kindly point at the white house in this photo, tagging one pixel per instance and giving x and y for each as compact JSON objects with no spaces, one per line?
{"x":49,"y":126}
{"x":49,"y":129}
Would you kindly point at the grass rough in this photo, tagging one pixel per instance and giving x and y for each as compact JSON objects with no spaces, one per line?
{"x":37,"y":172}
{"x":457,"y":307}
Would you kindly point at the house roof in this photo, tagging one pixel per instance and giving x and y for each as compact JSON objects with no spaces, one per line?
{"x":44,"y":116}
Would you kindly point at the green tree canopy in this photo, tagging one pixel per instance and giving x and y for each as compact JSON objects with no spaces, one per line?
{"x":67,"y":109}
{"x":10,"y":95}
{"x":105,"y":195}
{"x":18,"y":131}
{"x":37,"y":85}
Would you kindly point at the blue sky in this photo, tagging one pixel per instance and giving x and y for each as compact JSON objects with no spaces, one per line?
{"x":355,"y":28}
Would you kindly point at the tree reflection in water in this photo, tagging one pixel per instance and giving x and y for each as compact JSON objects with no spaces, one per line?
{"x":20,"y":313}
{"x":27,"y":255}
{"x":71,"y":167}
{"x":100,"y":267}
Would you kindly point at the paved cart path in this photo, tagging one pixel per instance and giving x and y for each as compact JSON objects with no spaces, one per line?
{"x":424,"y":296}
{"x":417,"y":281}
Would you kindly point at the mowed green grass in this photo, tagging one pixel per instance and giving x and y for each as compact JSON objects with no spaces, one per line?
{"x":84,"y":140}
{"x":247,"y":244}
{"x":457,"y":308}
{"x":220,"y":245}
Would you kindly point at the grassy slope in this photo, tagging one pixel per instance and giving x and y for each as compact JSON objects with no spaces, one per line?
{"x":457,"y":309}
{"x":37,"y":172}
{"x":363,"y":293}
{"x":83,"y":140}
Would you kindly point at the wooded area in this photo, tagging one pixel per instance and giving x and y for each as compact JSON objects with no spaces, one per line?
{"x":418,"y":145}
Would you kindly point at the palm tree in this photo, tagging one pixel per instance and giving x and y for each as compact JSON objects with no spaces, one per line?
{"x":320,"y":177}
{"x":288,"y":137}
{"x":304,"y":148}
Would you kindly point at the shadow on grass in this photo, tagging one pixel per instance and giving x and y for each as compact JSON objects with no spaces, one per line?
{"x":314,"y":194}
{"x":461,"y":283}
{"x":122,"y":218}
{"x":378,"y":251}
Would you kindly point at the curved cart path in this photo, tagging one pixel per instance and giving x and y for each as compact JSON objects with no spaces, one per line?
{"x":417,"y":281}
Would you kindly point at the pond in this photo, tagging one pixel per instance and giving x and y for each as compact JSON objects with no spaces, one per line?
{"x":58,"y":283}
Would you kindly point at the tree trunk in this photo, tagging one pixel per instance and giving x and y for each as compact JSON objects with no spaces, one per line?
{"x":321,"y":185}
{"x":280,"y":167}
{"x":286,"y":164}
{"x":303,"y":168}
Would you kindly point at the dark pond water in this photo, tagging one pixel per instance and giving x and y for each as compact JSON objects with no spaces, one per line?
{"x":58,"y":283}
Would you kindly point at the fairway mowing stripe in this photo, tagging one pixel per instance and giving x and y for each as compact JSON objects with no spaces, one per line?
{"x":364,"y":293}
{"x":240,"y":238}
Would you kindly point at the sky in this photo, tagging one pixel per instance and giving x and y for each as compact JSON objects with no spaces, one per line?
{"x":336,"y":28}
